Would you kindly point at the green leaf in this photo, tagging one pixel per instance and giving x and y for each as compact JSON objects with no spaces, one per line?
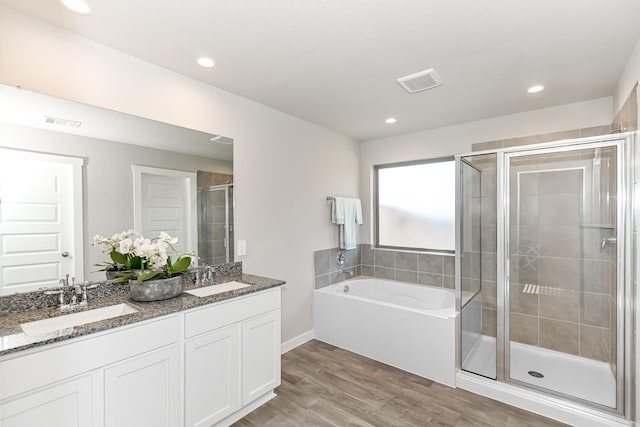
{"x":118,"y":258}
{"x":123,"y":276}
{"x":135,"y":263}
{"x":148,"y":275}
{"x":181,"y":265}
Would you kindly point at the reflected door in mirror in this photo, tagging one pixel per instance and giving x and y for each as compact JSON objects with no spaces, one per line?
{"x":164,"y":200}
{"x":40,"y":220}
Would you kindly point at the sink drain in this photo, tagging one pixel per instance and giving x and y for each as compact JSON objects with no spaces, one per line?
{"x":536,"y":374}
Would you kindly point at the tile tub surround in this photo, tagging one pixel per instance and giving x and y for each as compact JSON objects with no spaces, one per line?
{"x":326,"y":268}
{"x":14,"y":340}
{"x":405,"y":266}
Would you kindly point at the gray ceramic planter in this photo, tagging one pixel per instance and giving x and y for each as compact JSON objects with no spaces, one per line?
{"x":111,"y":274}
{"x":155,"y":290}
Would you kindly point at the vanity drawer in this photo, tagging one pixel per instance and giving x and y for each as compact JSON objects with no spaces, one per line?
{"x":225,"y":313}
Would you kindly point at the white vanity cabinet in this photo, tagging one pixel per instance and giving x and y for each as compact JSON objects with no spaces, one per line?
{"x":212,"y":376}
{"x":260,"y":356}
{"x":63,"y":404}
{"x":206,"y":366}
{"x":77,"y":382}
{"x":144,"y":391}
{"x":232,"y":354}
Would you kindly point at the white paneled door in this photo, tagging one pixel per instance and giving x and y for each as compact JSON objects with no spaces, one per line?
{"x":40,"y":220}
{"x":165,"y":200}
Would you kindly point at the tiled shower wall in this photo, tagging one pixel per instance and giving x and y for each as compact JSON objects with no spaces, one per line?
{"x":211,"y":219}
{"x":575,"y":311}
{"x":555,"y":244}
{"x":547,"y":137}
{"x":627,"y":118}
{"x":626,"y":121}
{"x":488,"y":242}
{"x":405,"y":266}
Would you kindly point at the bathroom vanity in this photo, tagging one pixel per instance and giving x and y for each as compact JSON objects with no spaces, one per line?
{"x":187,"y":361}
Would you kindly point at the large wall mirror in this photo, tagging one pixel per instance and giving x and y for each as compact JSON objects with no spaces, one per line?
{"x":70,"y":171}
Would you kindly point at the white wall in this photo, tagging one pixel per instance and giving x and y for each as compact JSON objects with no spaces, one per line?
{"x":284,"y":167}
{"x":457,"y":139}
{"x":107,"y":177}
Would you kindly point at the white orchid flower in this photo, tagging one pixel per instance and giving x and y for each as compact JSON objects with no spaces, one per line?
{"x":165,"y":237}
{"x":125,"y":245}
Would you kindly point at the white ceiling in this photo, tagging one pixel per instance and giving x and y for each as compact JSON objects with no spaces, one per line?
{"x":334,"y":62}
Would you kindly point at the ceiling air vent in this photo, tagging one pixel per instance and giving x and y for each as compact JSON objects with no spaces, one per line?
{"x":62,"y":122}
{"x":423,"y":80}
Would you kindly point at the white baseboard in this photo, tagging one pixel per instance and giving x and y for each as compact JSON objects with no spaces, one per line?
{"x":294,"y":342}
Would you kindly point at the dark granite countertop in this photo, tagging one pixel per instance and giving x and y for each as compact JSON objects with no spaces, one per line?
{"x":13,"y":339}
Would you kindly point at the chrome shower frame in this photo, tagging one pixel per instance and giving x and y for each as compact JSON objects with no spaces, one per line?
{"x":229,"y":222}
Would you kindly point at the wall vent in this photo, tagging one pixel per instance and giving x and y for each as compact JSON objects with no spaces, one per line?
{"x":423,"y":80}
{"x":61,"y":122}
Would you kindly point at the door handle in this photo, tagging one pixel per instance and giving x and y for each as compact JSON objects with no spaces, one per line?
{"x":65,"y":254}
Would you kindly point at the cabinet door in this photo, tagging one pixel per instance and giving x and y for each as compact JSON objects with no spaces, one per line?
{"x":212,"y":376}
{"x":260,"y":355}
{"x":63,"y":404}
{"x":144,"y":391}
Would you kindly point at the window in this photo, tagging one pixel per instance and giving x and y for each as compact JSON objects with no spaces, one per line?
{"x":415,"y":205}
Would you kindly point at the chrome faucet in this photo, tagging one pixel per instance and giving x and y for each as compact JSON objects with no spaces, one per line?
{"x":78,"y":298}
{"x":84,"y":300}
{"x":62,"y":304}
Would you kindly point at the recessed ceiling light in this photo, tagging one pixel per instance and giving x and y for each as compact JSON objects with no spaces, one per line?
{"x":78,"y":6}
{"x":206,"y":62}
{"x":535,"y":89}
{"x":390,"y":120}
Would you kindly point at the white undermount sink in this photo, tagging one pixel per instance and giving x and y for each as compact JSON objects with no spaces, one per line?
{"x":44,"y":326}
{"x":206,"y":291}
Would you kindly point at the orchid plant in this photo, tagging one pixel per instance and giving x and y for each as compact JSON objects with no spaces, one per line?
{"x":137,"y":258}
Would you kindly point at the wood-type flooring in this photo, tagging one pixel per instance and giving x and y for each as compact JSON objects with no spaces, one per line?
{"x":323,"y":385}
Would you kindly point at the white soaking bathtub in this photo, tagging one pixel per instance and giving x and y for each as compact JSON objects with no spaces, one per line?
{"x":411,"y":327}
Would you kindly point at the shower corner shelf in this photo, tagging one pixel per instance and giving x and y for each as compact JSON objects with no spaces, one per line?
{"x":607,"y":226}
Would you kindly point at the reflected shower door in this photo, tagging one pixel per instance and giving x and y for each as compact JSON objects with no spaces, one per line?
{"x":216,"y":219}
{"x":562,"y":317}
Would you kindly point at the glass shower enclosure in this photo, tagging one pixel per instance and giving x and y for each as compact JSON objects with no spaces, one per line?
{"x":544,"y":268}
{"x":215,"y":222}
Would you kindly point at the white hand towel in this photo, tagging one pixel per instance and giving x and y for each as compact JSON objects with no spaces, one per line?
{"x":347,"y":213}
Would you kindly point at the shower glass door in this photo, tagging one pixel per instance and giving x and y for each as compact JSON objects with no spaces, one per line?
{"x":562,"y":215}
{"x":215,"y":218}
{"x":476,"y":289}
